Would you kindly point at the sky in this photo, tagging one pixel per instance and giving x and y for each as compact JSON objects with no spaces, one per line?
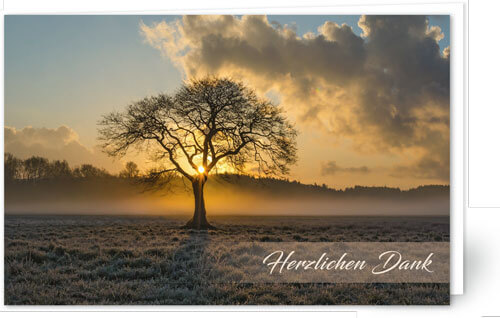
{"x":370,"y":99}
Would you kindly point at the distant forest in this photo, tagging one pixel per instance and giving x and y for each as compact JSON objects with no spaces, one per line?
{"x":37,"y":170}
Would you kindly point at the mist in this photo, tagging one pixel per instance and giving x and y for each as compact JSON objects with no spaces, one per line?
{"x":239,"y":196}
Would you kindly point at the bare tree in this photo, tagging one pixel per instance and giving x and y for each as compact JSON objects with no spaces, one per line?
{"x":60,"y":170}
{"x":88,"y":171}
{"x":131,"y":171}
{"x":36,"y":168}
{"x":209,"y":124}
{"x":13,"y":167}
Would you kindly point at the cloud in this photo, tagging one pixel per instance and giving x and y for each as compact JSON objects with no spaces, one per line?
{"x":425,"y":168}
{"x":331,"y":168}
{"x":61,"y":143}
{"x":386,"y":91}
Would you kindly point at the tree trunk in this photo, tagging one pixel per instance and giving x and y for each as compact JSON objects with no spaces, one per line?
{"x":199,"y":220}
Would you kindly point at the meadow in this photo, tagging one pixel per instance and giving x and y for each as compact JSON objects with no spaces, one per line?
{"x":145,"y":260}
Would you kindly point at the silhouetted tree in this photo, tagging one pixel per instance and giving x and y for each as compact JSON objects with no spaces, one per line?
{"x":59,"y":169}
{"x":36,"y":168}
{"x":12,"y":167}
{"x":131,"y":171}
{"x":209,"y":123}
{"x":88,"y":171}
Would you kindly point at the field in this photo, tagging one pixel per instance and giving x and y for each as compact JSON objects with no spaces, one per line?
{"x":53,"y":260}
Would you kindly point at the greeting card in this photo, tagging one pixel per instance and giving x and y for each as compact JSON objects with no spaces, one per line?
{"x":227,"y":160}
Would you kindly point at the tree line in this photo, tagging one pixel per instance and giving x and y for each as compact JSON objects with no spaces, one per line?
{"x":294,"y":187}
{"x":38,"y":168}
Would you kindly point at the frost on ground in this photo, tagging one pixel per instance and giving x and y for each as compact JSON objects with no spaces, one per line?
{"x":150,"y":260}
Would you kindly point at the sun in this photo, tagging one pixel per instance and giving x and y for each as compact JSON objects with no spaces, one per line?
{"x":201,"y":169}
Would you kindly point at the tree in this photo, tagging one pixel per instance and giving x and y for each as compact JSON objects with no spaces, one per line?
{"x":36,"y":168}
{"x":59,"y":169}
{"x":13,"y":167}
{"x":88,"y":171}
{"x":209,"y":124}
{"x":131,"y":171}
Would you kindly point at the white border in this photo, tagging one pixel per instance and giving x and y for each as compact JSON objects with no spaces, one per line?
{"x":458,"y":94}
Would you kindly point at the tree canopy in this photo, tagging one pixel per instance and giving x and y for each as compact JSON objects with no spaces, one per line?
{"x":208,"y":122}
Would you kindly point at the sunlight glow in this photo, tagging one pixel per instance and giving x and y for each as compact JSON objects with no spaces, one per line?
{"x":201,"y":169}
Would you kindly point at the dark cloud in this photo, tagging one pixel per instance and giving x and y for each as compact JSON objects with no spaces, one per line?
{"x":405,"y":74}
{"x":387,"y":91}
{"x":331,"y":168}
